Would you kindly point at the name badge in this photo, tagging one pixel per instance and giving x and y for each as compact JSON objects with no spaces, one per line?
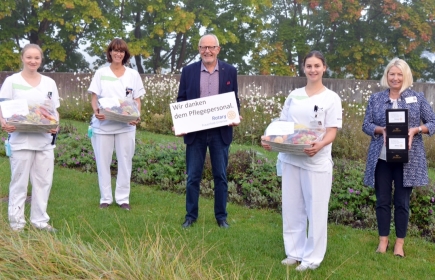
{"x":316,"y":124}
{"x":411,"y":99}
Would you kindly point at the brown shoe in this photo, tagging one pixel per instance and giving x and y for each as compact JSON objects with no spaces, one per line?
{"x":104,"y":205}
{"x":125,"y":206}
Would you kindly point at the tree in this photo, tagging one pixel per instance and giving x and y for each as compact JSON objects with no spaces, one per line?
{"x":357,"y":37}
{"x":169,"y":30}
{"x":365,"y":38}
{"x":155,"y":25}
{"x":56,"y":26}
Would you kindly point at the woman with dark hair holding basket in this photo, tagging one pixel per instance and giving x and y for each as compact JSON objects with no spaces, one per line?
{"x":307,"y":178}
{"x":115,"y":81}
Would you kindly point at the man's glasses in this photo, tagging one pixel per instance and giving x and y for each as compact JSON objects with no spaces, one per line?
{"x":118,"y":51}
{"x":211,"y":48}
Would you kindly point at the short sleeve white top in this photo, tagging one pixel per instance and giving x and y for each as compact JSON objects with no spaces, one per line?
{"x":15,"y":87}
{"x":106,"y":84}
{"x":324,"y":110}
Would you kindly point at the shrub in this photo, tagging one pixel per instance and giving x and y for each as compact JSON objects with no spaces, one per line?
{"x":422,"y":207}
{"x":76,"y":108}
{"x":257,"y":111}
{"x":160,"y":91}
{"x":351,"y":202}
{"x":77,"y":103}
{"x":348,"y":191}
{"x":351,"y":142}
{"x":251,"y":179}
{"x":74,"y":150}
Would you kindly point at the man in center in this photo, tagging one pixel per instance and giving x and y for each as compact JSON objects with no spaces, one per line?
{"x":204,"y":78}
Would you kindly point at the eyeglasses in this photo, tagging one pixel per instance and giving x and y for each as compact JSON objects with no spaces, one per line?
{"x":118,"y":51}
{"x":211,"y":48}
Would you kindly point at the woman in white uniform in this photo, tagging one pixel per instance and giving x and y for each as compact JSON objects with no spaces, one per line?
{"x":307,"y":179}
{"x":32,"y":155}
{"x":121,"y":82}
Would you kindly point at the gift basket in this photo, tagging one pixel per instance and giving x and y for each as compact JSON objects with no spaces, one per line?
{"x":288,"y":137}
{"x":40,"y":117}
{"x":120,"y":110}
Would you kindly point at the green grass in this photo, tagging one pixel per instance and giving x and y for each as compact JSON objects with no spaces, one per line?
{"x":251,"y":249}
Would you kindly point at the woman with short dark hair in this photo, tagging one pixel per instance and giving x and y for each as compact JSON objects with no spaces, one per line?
{"x":119,"y":82}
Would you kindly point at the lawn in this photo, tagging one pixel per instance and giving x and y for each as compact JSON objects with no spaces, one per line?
{"x":251,"y":248}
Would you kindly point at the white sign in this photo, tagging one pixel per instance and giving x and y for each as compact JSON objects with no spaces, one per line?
{"x":396,"y":117}
{"x":280,"y":128}
{"x":109,"y":102}
{"x":14,"y":107}
{"x":204,"y":113}
{"x":397,"y":144}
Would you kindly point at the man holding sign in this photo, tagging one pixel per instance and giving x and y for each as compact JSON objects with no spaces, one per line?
{"x":207,"y":78}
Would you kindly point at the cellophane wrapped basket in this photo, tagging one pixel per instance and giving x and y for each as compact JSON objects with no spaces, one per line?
{"x":126,"y":112}
{"x":288,"y":137}
{"x":42,"y":118}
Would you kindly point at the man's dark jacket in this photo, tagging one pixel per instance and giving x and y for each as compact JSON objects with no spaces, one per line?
{"x":190,"y":89}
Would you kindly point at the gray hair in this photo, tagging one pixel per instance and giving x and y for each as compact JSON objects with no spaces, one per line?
{"x":214,"y":36}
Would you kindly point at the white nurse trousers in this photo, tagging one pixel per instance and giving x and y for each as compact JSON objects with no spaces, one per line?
{"x":103,"y":145}
{"x":305,"y":196}
{"x":37,"y":166}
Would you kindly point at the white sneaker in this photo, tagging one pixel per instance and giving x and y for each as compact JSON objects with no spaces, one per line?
{"x":303,"y":267}
{"x":48,"y":228}
{"x":289,"y":261}
{"x":18,"y":229}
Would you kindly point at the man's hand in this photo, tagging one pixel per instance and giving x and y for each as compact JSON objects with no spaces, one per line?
{"x":236,"y":124}
{"x":178,"y":135}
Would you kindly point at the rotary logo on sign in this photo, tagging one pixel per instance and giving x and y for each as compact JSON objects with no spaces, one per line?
{"x":231,"y":115}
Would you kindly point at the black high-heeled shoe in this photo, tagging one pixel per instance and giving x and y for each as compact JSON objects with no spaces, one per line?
{"x":399,"y":255}
{"x":386,"y":248}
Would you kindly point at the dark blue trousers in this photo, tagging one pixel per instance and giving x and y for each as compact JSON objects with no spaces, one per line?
{"x":385,"y":174}
{"x":195,"y":158}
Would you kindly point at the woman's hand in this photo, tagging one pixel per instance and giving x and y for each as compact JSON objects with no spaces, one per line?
{"x":314,"y":149}
{"x":99,"y":116}
{"x":265,"y":145}
{"x":412,"y":132}
{"x":54,"y":130}
{"x":6,"y":127}
{"x":136,"y":122}
{"x":94,"y":104}
{"x":316,"y":146}
{"x":383,"y":131}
